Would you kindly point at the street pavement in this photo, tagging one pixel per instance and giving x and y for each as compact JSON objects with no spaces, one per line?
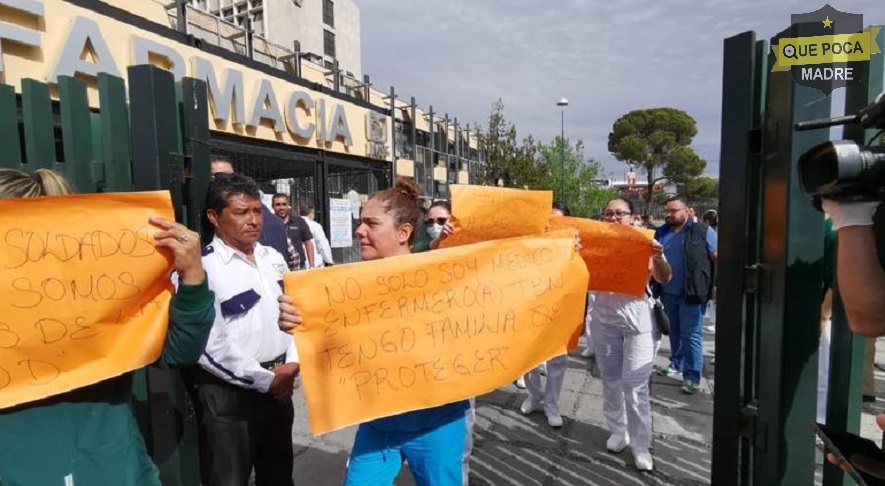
{"x":511,"y":449}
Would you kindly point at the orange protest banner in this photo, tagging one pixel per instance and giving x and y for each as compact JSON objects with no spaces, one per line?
{"x":389,"y":336}
{"x":84,"y":295}
{"x":493,"y":213}
{"x":616,"y":255}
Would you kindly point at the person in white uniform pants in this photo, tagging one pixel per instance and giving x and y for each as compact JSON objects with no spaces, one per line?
{"x":547,"y":396}
{"x":625,"y":338}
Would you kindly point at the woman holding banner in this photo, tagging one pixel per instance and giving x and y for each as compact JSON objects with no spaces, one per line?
{"x":89,"y":435}
{"x":431,"y":440}
{"x":625,"y":339}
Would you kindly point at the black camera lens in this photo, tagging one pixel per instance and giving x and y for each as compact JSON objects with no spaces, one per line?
{"x":818,"y":167}
{"x":837,"y":167}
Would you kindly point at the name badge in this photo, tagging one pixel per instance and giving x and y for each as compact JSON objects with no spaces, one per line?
{"x":281,"y":268}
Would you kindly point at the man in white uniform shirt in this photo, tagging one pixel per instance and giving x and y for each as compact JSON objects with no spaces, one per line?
{"x":322,"y":249}
{"x":249,"y":366}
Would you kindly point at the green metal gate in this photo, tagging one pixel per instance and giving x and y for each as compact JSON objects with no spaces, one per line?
{"x":144,"y":144}
{"x":770,"y":278}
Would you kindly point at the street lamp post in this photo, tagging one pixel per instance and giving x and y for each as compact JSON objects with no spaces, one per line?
{"x":562,"y":103}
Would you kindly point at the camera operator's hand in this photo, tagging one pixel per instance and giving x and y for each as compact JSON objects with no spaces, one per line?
{"x":869,"y":466}
{"x":846,"y":214}
{"x":859,"y":274}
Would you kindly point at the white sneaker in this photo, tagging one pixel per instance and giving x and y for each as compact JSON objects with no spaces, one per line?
{"x":643,"y":461}
{"x":529,"y":405}
{"x":616,"y":443}
{"x":520,"y":383}
{"x":554,"y":420}
{"x":543,"y":369}
{"x":710,"y":329}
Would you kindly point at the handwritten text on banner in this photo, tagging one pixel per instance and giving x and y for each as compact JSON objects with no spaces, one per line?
{"x":493,"y":213}
{"x":84,"y":295}
{"x":616,"y":255}
{"x":388,"y":336}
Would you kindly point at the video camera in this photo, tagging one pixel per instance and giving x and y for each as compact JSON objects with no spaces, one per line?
{"x":843,"y":170}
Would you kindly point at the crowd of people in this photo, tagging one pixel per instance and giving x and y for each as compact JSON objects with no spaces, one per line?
{"x":229,"y":331}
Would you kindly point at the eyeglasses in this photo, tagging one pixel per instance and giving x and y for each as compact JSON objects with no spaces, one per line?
{"x":440,"y":221}
{"x":616,"y":214}
{"x":674,"y":211}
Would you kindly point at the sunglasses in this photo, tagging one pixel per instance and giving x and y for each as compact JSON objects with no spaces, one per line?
{"x":440,"y":221}
{"x":619,"y":214}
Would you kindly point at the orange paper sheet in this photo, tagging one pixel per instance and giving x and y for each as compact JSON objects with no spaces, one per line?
{"x":616,"y":255}
{"x":494,"y":213}
{"x":384,"y":337}
{"x":84,"y":295}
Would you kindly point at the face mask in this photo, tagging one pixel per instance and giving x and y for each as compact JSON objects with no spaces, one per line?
{"x":434,"y":231}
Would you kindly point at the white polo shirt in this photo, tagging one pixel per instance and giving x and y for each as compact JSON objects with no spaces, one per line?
{"x":245,"y":332}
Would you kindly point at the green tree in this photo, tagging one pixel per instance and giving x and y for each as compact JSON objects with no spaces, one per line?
{"x":701,"y":189}
{"x":507,"y":161}
{"x":580,"y":192}
{"x":657,"y":138}
{"x":533,"y":164}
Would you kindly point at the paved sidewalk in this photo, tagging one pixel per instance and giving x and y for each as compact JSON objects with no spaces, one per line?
{"x":518,"y":450}
{"x":513,"y":449}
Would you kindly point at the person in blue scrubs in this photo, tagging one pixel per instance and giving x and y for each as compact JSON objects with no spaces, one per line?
{"x":691,"y":249}
{"x":432,"y":440}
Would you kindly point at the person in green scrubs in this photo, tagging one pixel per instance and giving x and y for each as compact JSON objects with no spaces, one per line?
{"x":89,"y":436}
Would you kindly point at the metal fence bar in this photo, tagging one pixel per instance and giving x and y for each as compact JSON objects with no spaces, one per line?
{"x":792,"y":249}
{"x":97,"y":166}
{"x":154,"y":134}
{"x":752,"y":312}
{"x":115,"y":154}
{"x":38,"y":124}
{"x":10,"y":154}
{"x":195,"y":112}
{"x":76,"y":133}
{"x":155,"y":145}
{"x":737,"y":101}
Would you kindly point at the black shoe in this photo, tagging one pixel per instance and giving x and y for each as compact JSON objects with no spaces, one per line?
{"x":869,"y":398}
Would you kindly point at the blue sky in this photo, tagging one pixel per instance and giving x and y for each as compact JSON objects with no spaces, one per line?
{"x":607,"y":59}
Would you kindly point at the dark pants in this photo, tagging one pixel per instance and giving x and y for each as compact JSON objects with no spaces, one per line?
{"x":243,"y":429}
